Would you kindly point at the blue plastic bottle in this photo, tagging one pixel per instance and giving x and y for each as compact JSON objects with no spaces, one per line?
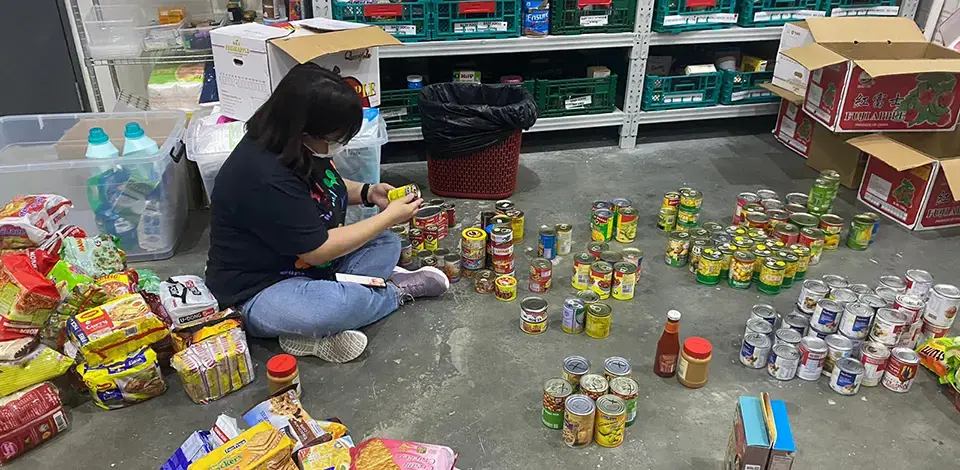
{"x":99,"y":145}
{"x":137,"y":144}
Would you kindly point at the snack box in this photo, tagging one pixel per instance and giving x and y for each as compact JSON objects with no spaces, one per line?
{"x":262,"y":447}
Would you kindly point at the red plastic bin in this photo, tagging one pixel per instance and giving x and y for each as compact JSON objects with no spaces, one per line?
{"x":488,"y":174}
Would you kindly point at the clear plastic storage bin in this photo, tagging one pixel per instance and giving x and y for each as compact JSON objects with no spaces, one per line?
{"x":124,"y":31}
{"x":141,"y":200}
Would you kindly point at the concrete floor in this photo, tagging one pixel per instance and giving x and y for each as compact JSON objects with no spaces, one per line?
{"x":458,"y":371}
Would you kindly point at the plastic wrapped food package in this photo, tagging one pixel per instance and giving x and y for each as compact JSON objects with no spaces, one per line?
{"x":326,"y":455}
{"x":187,"y":302}
{"x":215,"y":367}
{"x":30,"y":417}
{"x":115,"y":329}
{"x":26,"y":221}
{"x":41,"y":364}
{"x":94,"y":256}
{"x":376,"y":454}
{"x":27,"y":298}
{"x":127,"y":382}
{"x":285,"y":412}
{"x":260,"y":447}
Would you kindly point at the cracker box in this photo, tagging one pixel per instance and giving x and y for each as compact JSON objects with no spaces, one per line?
{"x":262,"y":447}
{"x":909,"y":178}
{"x":878,"y":74}
{"x":251,"y":59}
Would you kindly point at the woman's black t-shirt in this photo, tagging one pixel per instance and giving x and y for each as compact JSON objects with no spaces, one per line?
{"x":263,"y":216}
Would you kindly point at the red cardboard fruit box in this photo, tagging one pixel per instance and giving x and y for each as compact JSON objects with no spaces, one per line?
{"x":878,"y":74}
{"x":909,"y":178}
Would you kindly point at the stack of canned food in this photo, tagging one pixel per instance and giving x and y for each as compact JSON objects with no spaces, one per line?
{"x":591,"y":407}
{"x":855,"y":335}
{"x":607,"y":272}
{"x":680,"y":210}
{"x":614,"y":220}
{"x":420,"y":238}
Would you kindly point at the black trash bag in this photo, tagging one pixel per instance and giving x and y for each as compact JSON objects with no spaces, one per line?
{"x":462,"y":118}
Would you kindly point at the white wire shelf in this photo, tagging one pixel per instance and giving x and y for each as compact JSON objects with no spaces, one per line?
{"x":712,"y":112}
{"x":508,"y":45}
{"x":584,"y":121}
{"x":168,"y":56}
{"x":733,"y":34}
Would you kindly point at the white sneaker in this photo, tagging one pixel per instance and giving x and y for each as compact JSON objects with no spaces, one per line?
{"x":341,"y":347}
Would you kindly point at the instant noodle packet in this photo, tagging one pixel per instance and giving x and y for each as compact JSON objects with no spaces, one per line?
{"x":40,"y":365}
{"x":135,"y":379}
{"x":115,"y":329}
{"x":26,"y":221}
{"x":95,"y":256}
{"x":30,"y":417}
{"x":26,"y":297}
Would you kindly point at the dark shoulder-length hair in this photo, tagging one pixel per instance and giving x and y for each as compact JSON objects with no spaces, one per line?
{"x":310,"y":100}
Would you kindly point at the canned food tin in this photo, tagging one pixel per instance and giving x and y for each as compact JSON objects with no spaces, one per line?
{"x":861,"y":230}
{"x":505,"y":288}
{"x":751,"y":208}
{"x":400,"y":229}
{"x":726,"y":257}
{"x":942,"y":307}
{"x":624,"y":281}
{"x":594,"y":386}
{"x":471,"y":265}
{"x":503,"y":265}
{"x":796,"y":198}
{"x":759,"y":326}
{"x":620,"y":203}
{"x":574,"y":367}
{"x":804,"y":220}
{"x":691,"y":199}
{"x":812,"y":351}
{"x":635,"y":257}
{"x":616,"y":366}
{"x":581,"y":270}
{"x":627,"y":218}
{"x":791,"y":261}
{"x":771,"y":276}
{"x":755,"y":350}
{"x":473,"y":243}
{"x":671,"y":199}
{"x":564,"y":238}
{"x":757,"y":220}
{"x":598,"y":321}
{"x":687,"y":217}
{"x":741,"y":270}
{"x":426,"y":258}
{"x":712,"y":228}
{"x":708,"y":266}
{"x":783,"y":362}
{"x":742,"y":200}
{"x":873,"y":356}
{"x":486,"y":218}
{"x":504,"y":205}
{"x":787,"y":336}
{"x":431,"y":215}
{"x":431,"y":237}
{"x":888,"y":295}
{"x":930,"y":331}
{"x":838,"y":347}
{"x":918,"y":282}
{"x":451,"y":212}
{"x":834,"y":281}
{"x":796,"y":322}
{"x":685,"y":226}
{"x":547,"y":245}
{"x":765,"y":312}
{"x":611,"y":257}
{"x":601,"y":226}
{"x":574,"y":310}
{"x":855,"y":320}
{"x":910,"y":336}
{"x":777,"y":217}
{"x":813,"y":332}
{"x":533,"y":328}
{"x":761,"y":252}
{"x":627,"y":390}
{"x":451,"y":267}
{"x":843,"y":296}
{"x":911,"y":305}
{"x":601,"y":278}
{"x":901,"y":369}
{"x":795,"y":209}
{"x":678,"y":249}
{"x":787,"y":233}
{"x":888,"y":324}
{"x":501,"y":236}
{"x":402,"y":191}
{"x":516,"y":223}
{"x":588,"y":296}
{"x":441,"y":255}
{"x":406,"y":253}
{"x":860,"y":289}
{"x":533,"y":309}
{"x":893,"y":282}
{"x":771,"y":204}
{"x":767,"y":194}
{"x":611,"y":421}
{"x":578,"y":421}
{"x":871,"y":300}
{"x":541,"y":275}
{"x":484,"y":281}
{"x":667,"y":219}
{"x":812,"y":238}
{"x":595,"y":248}
{"x":832,"y":225}
{"x":696,"y":247}
{"x":803,"y":261}
{"x":743,"y":243}
{"x":416,"y":238}
{"x":735,"y":231}
{"x":555,"y":393}
{"x":847,"y":376}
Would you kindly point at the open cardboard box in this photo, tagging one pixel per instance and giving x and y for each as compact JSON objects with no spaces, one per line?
{"x":251,"y":59}
{"x":873,"y":74}
{"x":909,"y":178}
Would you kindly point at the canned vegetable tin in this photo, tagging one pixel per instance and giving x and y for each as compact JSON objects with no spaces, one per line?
{"x":541,"y":276}
{"x":667,"y":219}
{"x":813,"y":352}
{"x":847,"y":376}
{"x":742,"y":200}
{"x":804,"y":220}
{"x":766,"y":313}
{"x":601,"y":225}
{"x":564,"y":238}
{"x":741,"y":270}
{"x":755,"y":350}
{"x":787,"y":233}
{"x":783,"y":362}
{"x":505,"y":288}
{"x":594,"y":386}
{"x":598,"y":321}
{"x":832,"y":225}
{"x":588,"y":296}
{"x":812,"y":238}
{"x":771,"y":276}
{"x":792,"y":261}
{"x":611,"y":421}
{"x":547,"y":246}
{"x":402,"y":191}
{"x":578,"y":421}
{"x":941,"y":309}
{"x":821,"y":197}
{"x":595,"y":248}
{"x":611,"y":257}
{"x":691,"y":199}
{"x":634,"y":256}
{"x":761,"y":253}
{"x":688,"y":218}
{"x":901,"y":369}
{"x":726,"y":257}
{"x":861,"y":231}
{"x":757,"y":220}
{"x":678,"y":249}
{"x":803,"y":261}
{"x":873,"y":356}
{"x":627,"y":390}
{"x":697,"y":246}
{"x":616,"y":366}
{"x":516,"y":223}
{"x":624,"y":280}
{"x":574,"y":310}
{"x":708,"y":267}
{"x":627,"y":218}
{"x":671,"y":199}
{"x":555,"y":393}
{"x":777,"y":217}
{"x":601,"y":278}
{"x":574,"y":367}
{"x":581,"y":270}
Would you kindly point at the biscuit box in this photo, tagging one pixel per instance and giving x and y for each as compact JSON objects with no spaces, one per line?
{"x":262,"y":447}
{"x":761,"y":438}
{"x":878,"y":74}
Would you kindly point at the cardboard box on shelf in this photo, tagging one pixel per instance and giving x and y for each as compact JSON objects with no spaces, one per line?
{"x":878,"y":74}
{"x":761,"y":438}
{"x":251,"y":59}
{"x":909,"y":178}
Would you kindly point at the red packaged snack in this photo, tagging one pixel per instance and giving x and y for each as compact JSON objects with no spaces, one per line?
{"x":29,"y":418}
{"x":26,"y":297}
{"x":382,"y":454}
{"x":26,"y":221}
{"x":41,"y":260}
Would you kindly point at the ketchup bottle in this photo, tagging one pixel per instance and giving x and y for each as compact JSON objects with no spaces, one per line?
{"x":668,"y":348}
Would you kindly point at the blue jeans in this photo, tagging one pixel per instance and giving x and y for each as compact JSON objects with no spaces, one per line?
{"x":301,"y":306}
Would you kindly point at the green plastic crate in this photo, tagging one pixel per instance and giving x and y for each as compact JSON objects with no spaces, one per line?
{"x":744,"y":88}
{"x":407,"y":21}
{"x":399,"y":108}
{"x":674,"y":16}
{"x":494,"y":19}
{"x":837,"y":8}
{"x":575,"y":96}
{"x":681,"y":91}
{"x":758,"y":13}
{"x":592,"y":16}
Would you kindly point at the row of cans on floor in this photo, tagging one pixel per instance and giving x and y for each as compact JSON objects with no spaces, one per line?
{"x":606,"y":272}
{"x":680,"y":210}
{"x":591,"y":407}
{"x":582,"y":312}
{"x":614,"y":220}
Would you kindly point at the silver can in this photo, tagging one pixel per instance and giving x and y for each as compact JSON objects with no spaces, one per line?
{"x":783,"y":362}
{"x":811,"y":292}
{"x":838,"y":347}
{"x":787,"y":336}
{"x":893,"y":282}
{"x":813,"y":351}
{"x":887,"y":294}
{"x":834,"y":281}
{"x":575,"y":367}
{"x":564,"y":239}
{"x":901,"y":370}
{"x":872,"y":300}
{"x":911,"y":334}
{"x":755,"y":350}
{"x":888,"y":325}
{"x":860,"y":289}
{"x":616,"y":366}
{"x":843,"y":296}
{"x":765,"y":312}
{"x":813,"y":332}
{"x":873,"y":356}
{"x":911,"y":305}
{"x":826,"y":316}
{"x":855,"y":343}
{"x":942,"y":306}
{"x":767,"y":194}
{"x":856,"y":320}
{"x":918,"y":282}
{"x":574,"y":310}
{"x":796,"y":322}
{"x":847,"y":376}
{"x":758,"y":325}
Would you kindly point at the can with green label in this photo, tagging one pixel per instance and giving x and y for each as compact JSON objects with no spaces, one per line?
{"x":803,"y":261}
{"x":678,"y":249}
{"x":771,"y":276}
{"x":790,"y":270}
{"x":861,"y":231}
{"x":708,"y":266}
{"x":555,"y":392}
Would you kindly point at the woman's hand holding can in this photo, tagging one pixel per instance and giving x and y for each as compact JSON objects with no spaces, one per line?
{"x":403,"y":209}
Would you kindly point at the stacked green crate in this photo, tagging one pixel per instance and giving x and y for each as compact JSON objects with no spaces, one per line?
{"x":494,"y":19}
{"x":674,"y":16}
{"x":592,"y":16}
{"x":681,"y":91}
{"x":575,"y":96}
{"x":407,"y":21}
{"x":744,"y":87}
{"x":837,"y":8}
{"x":758,"y":13}
{"x":399,"y":108}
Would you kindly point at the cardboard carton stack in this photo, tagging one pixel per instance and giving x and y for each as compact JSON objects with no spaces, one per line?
{"x":874,"y":100}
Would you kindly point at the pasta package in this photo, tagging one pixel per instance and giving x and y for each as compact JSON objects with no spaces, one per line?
{"x":27,"y":298}
{"x":385,"y":454}
{"x":112,"y":331}
{"x":40,"y":365}
{"x":285,"y":412}
{"x":30,"y":418}
{"x":262,"y":447}
{"x":95,"y":256}
{"x":214,"y":367}
{"x":127,"y":382}
{"x":26,"y":221}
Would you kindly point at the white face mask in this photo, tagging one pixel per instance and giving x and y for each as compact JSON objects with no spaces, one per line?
{"x":333,"y":148}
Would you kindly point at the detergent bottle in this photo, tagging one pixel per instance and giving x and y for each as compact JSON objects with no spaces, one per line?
{"x":136,"y":143}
